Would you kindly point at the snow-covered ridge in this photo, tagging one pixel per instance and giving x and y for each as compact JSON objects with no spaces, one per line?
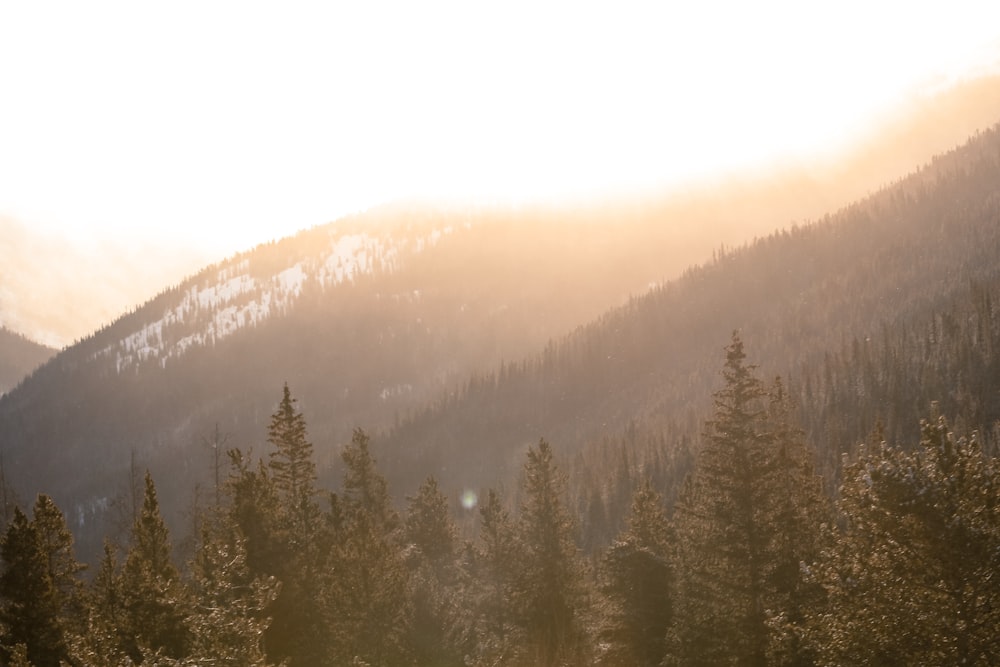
{"x":210,"y":311}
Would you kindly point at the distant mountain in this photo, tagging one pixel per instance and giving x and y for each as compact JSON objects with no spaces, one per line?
{"x":18,"y":357}
{"x":368,"y":319}
{"x":462,"y":335}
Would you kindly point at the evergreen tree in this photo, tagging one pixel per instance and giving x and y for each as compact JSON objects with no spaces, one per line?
{"x":104,"y":639}
{"x":152,"y":589}
{"x":911,"y":578}
{"x":744,"y":523}
{"x":550,"y":593}
{"x":31,"y":603}
{"x":371,"y":614}
{"x":494,"y":571}
{"x":275,"y":508}
{"x":227,"y":619}
{"x":637,"y":581}
{"x":293,"y":469}
{"x":429,"y":536}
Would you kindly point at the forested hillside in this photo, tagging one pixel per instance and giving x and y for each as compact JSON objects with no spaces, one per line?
{"x":870,"y":314}
{"x":419,"y":324}
{"x":18,"y":357}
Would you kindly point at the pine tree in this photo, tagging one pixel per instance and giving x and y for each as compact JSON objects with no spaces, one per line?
{"x":104,"y":638}
{"x":56,"y":542}
{"x":152,"y":588}
{"x":744,"y":522}
{"x":429,"y":536}
{"x":31,"y":609}
{"x":494,"y":570}
{"x":911,"y":578}
{"x":293,"y":469}
{"x":638,"y":581}
{"x":370,"y":609}
{"x":227,"y":617}
{"x":550,"y":592}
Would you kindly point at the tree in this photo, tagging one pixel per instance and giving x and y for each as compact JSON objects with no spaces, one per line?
{"x":104,"y":638}
{"x":31,"y":611}
{"x":369,"y":598}
{"x":745,"y":520}
{"x":550,"y":593}
{"x":151,"y":584}
{"x":493,"y":571}
{"x":429,"y":539}
{"x":227,"y":618}
{"x":293,"y":469}
{"x":638,"y":582}
{"x":911,"y":578}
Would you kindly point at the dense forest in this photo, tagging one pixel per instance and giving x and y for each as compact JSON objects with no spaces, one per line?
{"x":479,"y":483}
{"x":449,"y":335}
{"x":751,"y":563}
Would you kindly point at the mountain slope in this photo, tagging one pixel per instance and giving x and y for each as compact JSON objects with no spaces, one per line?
{"x":913,"y":267}
{"x":375,"y":318}
{"x":367,"y":319}
{"x":18,"y":357}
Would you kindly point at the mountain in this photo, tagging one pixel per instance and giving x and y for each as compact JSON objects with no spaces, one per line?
{"x":18,"y":357}
{"x":870,"y":314}
{"x":368,"y":319}
{"x":455,"y":335}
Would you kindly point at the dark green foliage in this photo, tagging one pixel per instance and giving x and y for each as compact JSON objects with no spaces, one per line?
{"x":911,"y":579}
{"x":637,"y":580}
{"x":31,"y":612}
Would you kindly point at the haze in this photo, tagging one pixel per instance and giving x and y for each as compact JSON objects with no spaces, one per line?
{"x":138,"y":143}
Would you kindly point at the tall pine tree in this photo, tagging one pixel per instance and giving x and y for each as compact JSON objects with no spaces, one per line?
{"x":550,"y":592}
{"x":744,"y":523}
{"x":154,"y":596}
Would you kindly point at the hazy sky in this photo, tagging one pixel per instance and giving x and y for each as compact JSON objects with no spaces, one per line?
{"x":232,"y":123}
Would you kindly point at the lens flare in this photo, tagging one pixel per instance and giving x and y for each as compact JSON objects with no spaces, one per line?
{"x":469,"y":499}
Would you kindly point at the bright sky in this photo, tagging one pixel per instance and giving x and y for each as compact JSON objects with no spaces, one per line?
{"x":231,"y":123}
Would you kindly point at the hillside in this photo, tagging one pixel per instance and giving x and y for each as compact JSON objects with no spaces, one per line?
{"x":18,"y":357}
{"x":368,"y":319}
{"x":869,"y":314}
{"x":425,"y":325}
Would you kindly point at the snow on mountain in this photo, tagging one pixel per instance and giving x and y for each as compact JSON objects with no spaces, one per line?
{"x":210,"y":310}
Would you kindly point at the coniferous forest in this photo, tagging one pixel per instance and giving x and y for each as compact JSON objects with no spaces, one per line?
{"x":785,"y":456}
{"x":751,"y":562}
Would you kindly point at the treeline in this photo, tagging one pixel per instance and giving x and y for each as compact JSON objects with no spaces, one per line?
{"x":751,"y":563}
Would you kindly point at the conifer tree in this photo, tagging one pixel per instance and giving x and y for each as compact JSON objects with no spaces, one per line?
{"x":104,"y":638}
{"x":429,"y":538}
{"x":275,"y":508}
{"x":227,"y":618}
{"x":912,"y":579}
{"x":638,"y":580}
{"x":550,"y":592}
{"x":293,"y":469}
{"x":370,"y":609}
{"x":744,"y":523}
{"x":494,"y":571}
{"x":30,"y":602}
{"x":153,"y":593}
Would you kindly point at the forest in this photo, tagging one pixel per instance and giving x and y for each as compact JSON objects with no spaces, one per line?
{"x":752,"y":560}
